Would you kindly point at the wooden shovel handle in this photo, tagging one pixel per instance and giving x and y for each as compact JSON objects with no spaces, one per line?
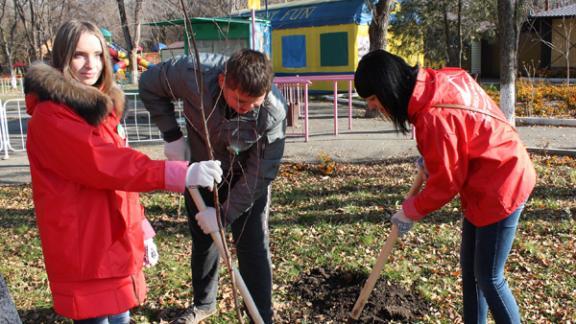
{"x":217,"y":238}
{"x":371,"y":282}
{"x":199,"y":202}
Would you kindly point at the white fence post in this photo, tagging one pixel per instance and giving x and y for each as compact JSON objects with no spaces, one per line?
{"x":17,"y":116}
{"x":136,"y":130}
{"x":3,"y":132}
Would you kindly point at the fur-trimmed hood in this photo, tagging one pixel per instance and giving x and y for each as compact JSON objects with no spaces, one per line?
{"x":47,"y":83}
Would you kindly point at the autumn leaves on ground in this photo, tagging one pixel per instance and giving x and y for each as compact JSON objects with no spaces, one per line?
{"x":327,"y":225}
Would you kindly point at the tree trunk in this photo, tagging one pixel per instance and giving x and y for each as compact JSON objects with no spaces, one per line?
{"x":136,"y":41}
{"x":124,"y":22}
{"x":568,"y":45}
{"x":10,"y":60}
{"x":126,"y":32}
{"x":377,"y":33}
{"x":378,"y":29}
{"x":510,"y":16}
{"x":29,"y":25}
{"x":7,"y":40}
{"x":451,"y":51}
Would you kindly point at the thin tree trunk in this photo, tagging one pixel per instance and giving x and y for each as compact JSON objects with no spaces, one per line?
{"x":124,"y":22}
{"x":10,"y":60}
{"x":508,"y":26}
{"x":136,"y":41}
{"x":7,"y":38}
{"x":127,"y":36}
{"x":449,"y":59}
{"x":568,"y":46}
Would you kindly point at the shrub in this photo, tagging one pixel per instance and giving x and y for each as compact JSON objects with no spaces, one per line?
{"x":541,"y":99}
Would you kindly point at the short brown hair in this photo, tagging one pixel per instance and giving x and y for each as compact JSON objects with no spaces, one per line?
{"x":64,"y":47}
{"x":249,"y":71}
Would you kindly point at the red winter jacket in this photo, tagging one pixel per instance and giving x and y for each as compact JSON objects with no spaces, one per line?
{"x":476,"y":154}
{"x":85,"y":185}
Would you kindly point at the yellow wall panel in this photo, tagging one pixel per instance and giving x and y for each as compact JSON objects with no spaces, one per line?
{"x":312,"y":35}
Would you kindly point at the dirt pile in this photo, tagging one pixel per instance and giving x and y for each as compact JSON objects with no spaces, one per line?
{"x":327,"y":296}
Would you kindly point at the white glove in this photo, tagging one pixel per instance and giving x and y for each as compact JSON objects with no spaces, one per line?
{"x":404,"y":223}
{"x":177,"y":150}
{"x":204,"y":174}
{"x":151,"y":255}
{"x":207,"y":220}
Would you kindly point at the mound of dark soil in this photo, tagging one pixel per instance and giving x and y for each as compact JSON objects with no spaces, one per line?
{"x":325,"y":295}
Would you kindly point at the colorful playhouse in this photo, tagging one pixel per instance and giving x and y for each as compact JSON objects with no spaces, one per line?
{"x":120,"y":56}
{"x":319,"y":37}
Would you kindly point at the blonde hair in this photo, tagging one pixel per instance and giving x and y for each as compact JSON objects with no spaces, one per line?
{"x":64,"y":47}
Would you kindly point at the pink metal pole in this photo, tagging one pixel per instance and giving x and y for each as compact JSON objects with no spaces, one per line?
{"x":335,"y":108}
{"x":350,"y":104}
{"x":306,"y":112}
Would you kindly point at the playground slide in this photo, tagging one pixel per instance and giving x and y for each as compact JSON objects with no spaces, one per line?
{"x":121,"y":56}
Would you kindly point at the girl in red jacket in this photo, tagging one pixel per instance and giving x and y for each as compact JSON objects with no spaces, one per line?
{"x":469,"y":149}
{"x":86,"y":181}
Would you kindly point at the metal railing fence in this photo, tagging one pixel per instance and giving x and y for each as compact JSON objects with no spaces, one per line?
{"x":139,"y":127}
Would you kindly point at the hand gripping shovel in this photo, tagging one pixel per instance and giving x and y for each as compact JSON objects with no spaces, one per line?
{"x":384,"y":253}
{"x":217,"y":238}
{"x":369,"y":285}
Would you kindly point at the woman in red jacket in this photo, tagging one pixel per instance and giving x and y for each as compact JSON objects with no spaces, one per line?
{"x":86,"y":181}
{"x":469,"y":149}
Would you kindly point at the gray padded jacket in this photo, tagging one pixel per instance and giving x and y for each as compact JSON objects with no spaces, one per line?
{"x":250,"y":146}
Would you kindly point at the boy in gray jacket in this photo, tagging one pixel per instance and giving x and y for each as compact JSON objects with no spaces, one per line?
{"x":246,"y":120}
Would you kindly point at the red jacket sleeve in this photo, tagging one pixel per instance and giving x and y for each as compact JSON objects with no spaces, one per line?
{"x":64,"y":144}
{"x":443,"y":144}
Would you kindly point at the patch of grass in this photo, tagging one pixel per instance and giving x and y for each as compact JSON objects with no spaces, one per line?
{"x":339,"y":220}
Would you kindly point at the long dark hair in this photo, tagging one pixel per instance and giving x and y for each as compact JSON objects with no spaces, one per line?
{"x":391,"y":80}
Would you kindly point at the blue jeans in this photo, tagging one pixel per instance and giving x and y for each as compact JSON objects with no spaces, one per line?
{"x":250,"y":232}
{"x":483,"y":255}
{"x":122,"y":318}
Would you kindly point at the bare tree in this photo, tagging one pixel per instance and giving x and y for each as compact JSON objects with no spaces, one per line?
{"x":208,"y":142}
{"x":564,"y":48}
{"x":39,"y":20}
{"x":132,"y":42}
{"x":7,"y":38}
{"x":511,"y":14}
{"x":161,"y":10}
{"x":567,"y":27}
{"x":26,"y":12}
